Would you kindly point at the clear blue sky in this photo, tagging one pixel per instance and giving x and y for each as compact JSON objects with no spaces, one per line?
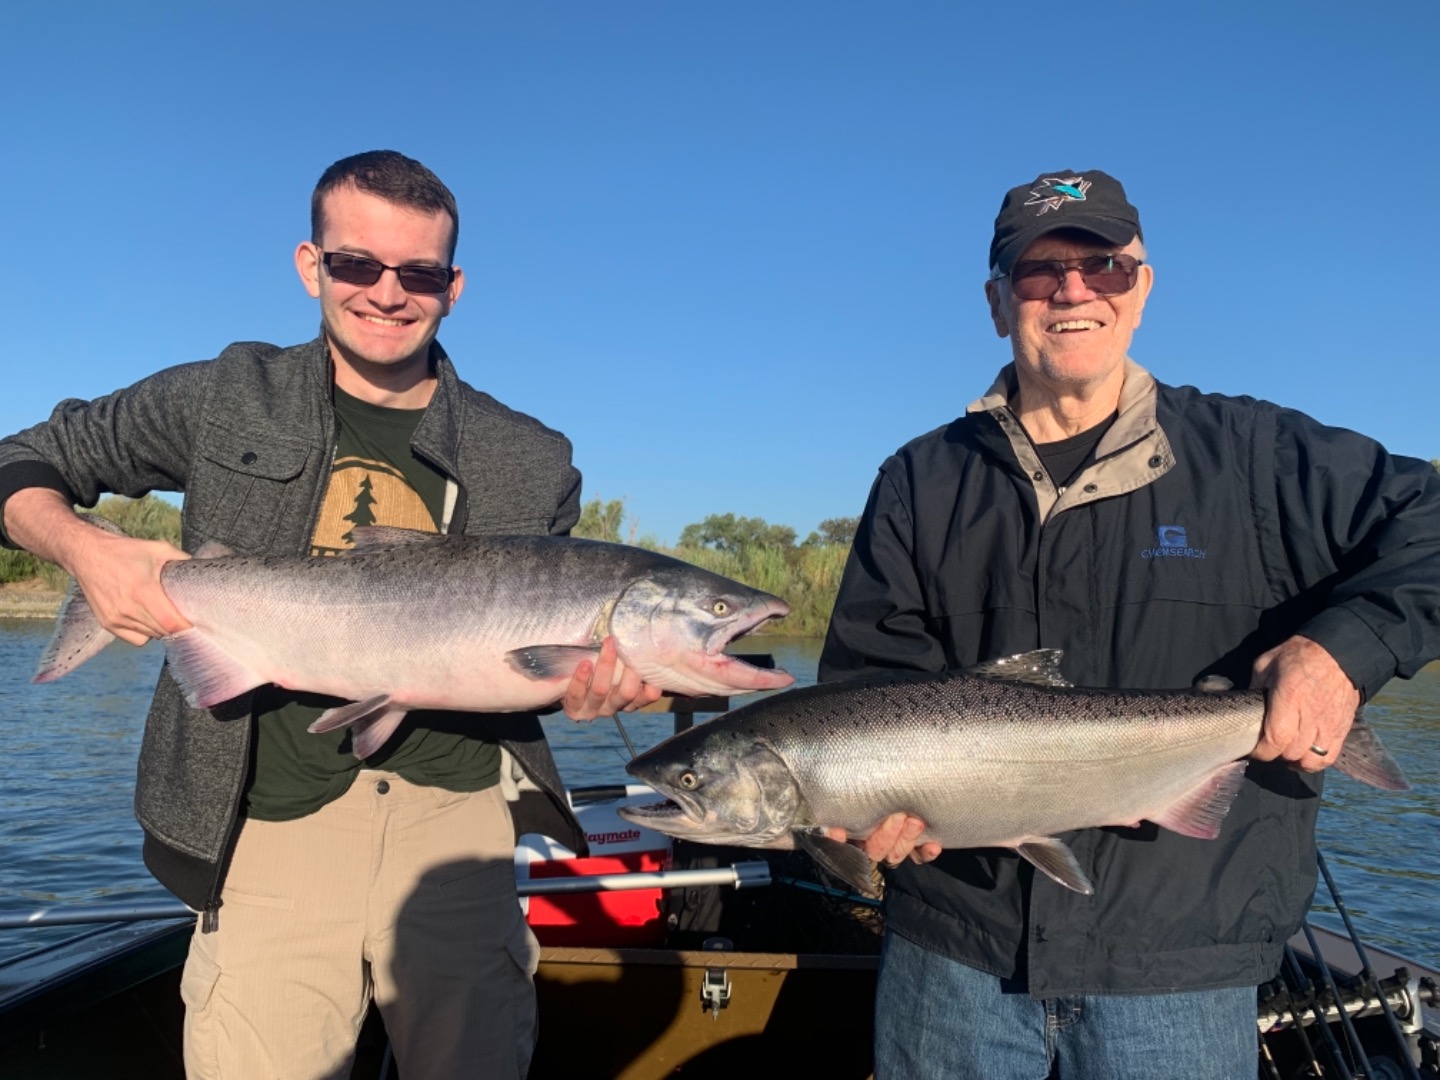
{"x":734,"y":249}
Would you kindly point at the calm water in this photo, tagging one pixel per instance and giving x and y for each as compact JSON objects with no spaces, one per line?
{"x":68,"y":835}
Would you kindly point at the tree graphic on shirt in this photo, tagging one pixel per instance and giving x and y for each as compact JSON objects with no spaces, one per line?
{"x":361,"y":515}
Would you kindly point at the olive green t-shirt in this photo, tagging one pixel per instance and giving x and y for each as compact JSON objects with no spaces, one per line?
{"x":376,"y":479}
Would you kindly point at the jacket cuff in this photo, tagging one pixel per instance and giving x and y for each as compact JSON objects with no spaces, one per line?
{"x":28,"y":474}
{"x":1355,"y":647}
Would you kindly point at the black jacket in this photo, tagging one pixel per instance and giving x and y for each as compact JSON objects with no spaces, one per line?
{"x":1208,"y":530}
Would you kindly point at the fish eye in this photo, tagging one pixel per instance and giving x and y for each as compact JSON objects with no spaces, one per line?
{"x":720,"y":607}
{"x":689,"y":781}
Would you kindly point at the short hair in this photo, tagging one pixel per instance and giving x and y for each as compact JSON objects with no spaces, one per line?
{"x":391,"y":176}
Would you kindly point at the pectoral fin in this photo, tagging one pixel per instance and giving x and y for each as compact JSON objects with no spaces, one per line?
{"x":1200,"y":810}
{"x":1057,"y":861}
{"x":540,"y":662}
{"x":845,"y":862}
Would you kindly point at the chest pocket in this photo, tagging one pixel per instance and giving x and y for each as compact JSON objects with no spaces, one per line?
{"x":245,"y":485}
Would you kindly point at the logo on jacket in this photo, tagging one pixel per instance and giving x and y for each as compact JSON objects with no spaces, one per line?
{"x":1054,"y":192}
{"x":1173,"y":542}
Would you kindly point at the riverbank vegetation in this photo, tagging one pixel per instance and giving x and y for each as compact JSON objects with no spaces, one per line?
{"x":805,"y":574}
{"x":148,"y":518}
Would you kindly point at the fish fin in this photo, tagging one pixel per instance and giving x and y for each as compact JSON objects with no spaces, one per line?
{"x":206,"y":673}
{"x":212,"y":549}
{"x":1039,"y":668}
{"x":1200,"y":810}
{"x":368,"y":735}
{"x":1054,"y":859}
{"x":371,"y":723}
{"x":374,"y":537}
{"x":541,"y":662}
{"x":78,"y":637}
{"x":1213,"y":684}
{"x":843,"y":861}
{"x":344,"y":715}
{"x":1364,"y":758}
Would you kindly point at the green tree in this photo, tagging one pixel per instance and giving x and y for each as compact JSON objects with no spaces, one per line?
{"x":600,"y":520}
{"x":834,"y":531}
{"x":726,"y":532}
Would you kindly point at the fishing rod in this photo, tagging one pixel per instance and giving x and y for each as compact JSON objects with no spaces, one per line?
{"x":742,"y":875}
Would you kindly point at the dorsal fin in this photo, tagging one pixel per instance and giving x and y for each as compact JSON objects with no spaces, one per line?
{"x":212,"y":549}
{"x":1040,"y":668}
{"x":374,"y":537}
{"x":1214,"y":684}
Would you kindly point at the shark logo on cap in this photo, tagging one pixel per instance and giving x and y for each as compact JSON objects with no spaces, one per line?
{"x":1053,"y":192}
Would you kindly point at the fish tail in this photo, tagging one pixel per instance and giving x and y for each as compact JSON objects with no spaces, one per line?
{"x":78,"y":636}
{"x":1364,"y":758}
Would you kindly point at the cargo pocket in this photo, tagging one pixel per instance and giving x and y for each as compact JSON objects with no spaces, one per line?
{"x":197,"y":991}
{"x":242,"y":485}
{"x":197,"y":983}
{"x":520,"y":943}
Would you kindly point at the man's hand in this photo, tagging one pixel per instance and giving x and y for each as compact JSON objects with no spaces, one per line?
{"x":606,"y":687}
{"x":1310,"y":704}
{"x":119,"y":575}
{"x":121,"y":580}
{"x":893,"y":841}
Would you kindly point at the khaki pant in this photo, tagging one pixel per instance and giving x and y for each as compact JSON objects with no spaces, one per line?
{"x":399,"y":892}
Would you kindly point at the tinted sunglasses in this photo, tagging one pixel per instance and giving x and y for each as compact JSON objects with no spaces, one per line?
{"x":414,"y":277}
{"x":1107,"y":275}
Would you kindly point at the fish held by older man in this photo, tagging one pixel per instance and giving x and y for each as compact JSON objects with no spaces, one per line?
{"x":1005,"y":755}
{"x":410,"y":620}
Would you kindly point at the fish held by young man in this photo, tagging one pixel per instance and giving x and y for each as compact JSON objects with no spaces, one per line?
{"x":412,"y":620}
{"x":1005,"y":755}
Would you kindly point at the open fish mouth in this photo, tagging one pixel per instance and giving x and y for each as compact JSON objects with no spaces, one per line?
{"x":756,"y":678}
{"x":663,"y":816}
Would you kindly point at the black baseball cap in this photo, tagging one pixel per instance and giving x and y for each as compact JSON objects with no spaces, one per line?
{"x":1092,"y":200}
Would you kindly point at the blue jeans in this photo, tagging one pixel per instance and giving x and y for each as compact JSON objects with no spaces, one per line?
{"x":937,"y":1018}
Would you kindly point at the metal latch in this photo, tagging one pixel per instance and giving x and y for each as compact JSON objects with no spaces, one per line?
{"x":715,"y":987}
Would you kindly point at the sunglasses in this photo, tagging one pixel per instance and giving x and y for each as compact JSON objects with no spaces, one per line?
{"x":414,"y":277}
{"x":1107,"y":275}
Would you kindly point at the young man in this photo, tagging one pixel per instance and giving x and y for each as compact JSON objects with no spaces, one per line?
{"x":1155,"y":534}
{"x":324,"y":881}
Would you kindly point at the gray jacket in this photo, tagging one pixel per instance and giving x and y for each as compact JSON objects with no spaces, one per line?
{"x":249,"y":437}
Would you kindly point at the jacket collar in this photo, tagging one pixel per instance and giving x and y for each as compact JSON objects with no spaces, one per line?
{"x":1132,"y":453}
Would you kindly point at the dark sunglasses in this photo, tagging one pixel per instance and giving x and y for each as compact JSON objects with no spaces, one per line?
{"x":1107,"y":275}
{"x":414,"y":277}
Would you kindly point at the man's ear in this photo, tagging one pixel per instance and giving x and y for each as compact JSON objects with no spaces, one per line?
{"x":307,"y":265}
{"x":997,"y":313}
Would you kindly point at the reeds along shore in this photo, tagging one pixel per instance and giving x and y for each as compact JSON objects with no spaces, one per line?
{"x":806,"y":576}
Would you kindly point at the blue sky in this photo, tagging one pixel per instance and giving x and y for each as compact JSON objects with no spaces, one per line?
{"x":734,"y":250}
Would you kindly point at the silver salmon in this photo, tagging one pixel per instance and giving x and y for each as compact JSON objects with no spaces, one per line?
{"x":1006,"y":755}
{"x":411,"y":620}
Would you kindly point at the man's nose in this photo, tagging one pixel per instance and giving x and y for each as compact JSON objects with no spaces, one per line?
{"x":1073,"y":289}
{"x":388,"y":292}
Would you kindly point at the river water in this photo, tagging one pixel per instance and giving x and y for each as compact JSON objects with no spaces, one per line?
{"x":68,"y":835}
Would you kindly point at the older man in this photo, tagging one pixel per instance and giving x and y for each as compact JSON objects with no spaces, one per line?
{"x":1155,"y":534}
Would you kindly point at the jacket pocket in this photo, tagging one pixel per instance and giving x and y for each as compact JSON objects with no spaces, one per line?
{"x":243,"y":485}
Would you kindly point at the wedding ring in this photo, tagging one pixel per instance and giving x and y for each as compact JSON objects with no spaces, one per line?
{"x":1318,"y":751}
